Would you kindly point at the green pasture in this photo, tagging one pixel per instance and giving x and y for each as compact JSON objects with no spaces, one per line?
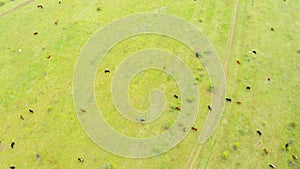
{"x":52,"y":136}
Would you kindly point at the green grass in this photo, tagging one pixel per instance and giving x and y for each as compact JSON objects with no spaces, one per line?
{"x":30,"y":80}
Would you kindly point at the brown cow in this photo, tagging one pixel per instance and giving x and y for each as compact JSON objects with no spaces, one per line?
{"x":266,"y":151}
{"x":177,"y":108}
{"x":238,"y":62}
{"x":195,"y":129}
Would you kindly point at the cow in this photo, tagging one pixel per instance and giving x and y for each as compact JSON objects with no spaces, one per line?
{"x":269,"y":79}
{"x":177,"y":108}
{"x":12,"y":145}
{"x":175,"y":96}
{"x":106,"y":71}
{"x":266,"y":151}
{"x":40,"y":6}
{"x":254,"y":51}
{"x":286,"y":145}
{"x":248,"y":87}
{"x":259,"y":132}
{"x":59,"y":2}
{"x":272,"y":29}
{"x":56,"y":22}
{"x":195,"y":129}
{"x":21,"y":117}
{"x":272,"y":166}
{"x":239,"y":102}
{"x":80,"y":159}
{"x":35,"y":33}
{"x":142,"y":119}
{"x":209,"y":108}
{"x":12,"y":167}
{"x":82,"y":110}
{"x":228,"y":100}
{"x":294,"y":157}
{"x":184,"y":129}
{"x":49,"y":57}
{"x":197,"y":54}
{"x":238,"y":62}
{"x":31,"y":111}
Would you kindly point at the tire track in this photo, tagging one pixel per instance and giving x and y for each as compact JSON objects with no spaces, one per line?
{"x":16,"y":7}
{"x":194,"y":155}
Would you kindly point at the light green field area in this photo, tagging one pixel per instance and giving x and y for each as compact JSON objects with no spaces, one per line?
{"x":52,"y":136}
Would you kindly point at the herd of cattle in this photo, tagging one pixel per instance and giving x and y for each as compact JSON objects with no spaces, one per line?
{"x":197,"y":54}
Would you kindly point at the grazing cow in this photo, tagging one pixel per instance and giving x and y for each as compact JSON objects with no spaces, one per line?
{"x":82,"y":110}
{"x":254,"y":52}
{"x":49,"y":57}
{"x":12,"y":145}
{"x":56,"y":22}
{"x":12,"y":167}
{"x":175,"y":96}
{"x":272,"y":29}
{"x":259,"y":132}
{"x":40,"y":6}
{"x":248,"y":87}
{"x":238,"y":62}
{"x":35,"y":33}
{"x":286,"y":145}
{"x":266,"y":151}
{"x":177,"y":108}
{"x":272,"y":166}
{"x":184,"y":129}
{"x":228,"y":100}
{"x":21,"y":117}
{"x":31,"y":111}
{"x":195,"y":129}
{"x":80,"y":159}
{"x":209,"y":108}
{"x":106,"y":71}
{"x":269,"y":79}
{"x":197,"y":54}
{"x":142,"y":119}
{"x":294,"y":157}
{"x":59,"y":2}
{"x":239,"y":102}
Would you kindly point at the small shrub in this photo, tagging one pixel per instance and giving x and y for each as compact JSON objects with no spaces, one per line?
{"x":190,"y":99}
{"x":168,"y":125}
{"x":2,"y":3}
{"x":236,"y":145}
{"x":225,"y":155}
{"x":292,"y":124}
{"x":50,"y":108}
{"x":107,"y":165}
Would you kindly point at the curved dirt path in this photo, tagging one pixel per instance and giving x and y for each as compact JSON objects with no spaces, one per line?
{"x":194,"y":155}
{"x":16,"y":7}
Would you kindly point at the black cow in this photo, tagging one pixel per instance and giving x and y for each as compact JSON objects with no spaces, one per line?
{"x":228,"y":100}
{"x":106,"y":71}
{"x":248,"y":87}
{"x":259,"y":132}
{"x":12,"y":145}
{"x":175,"y":96}
{"x":272,"y":166}
{"x":209,"y":108}
{"x":254,"y":52}
{"x":31,"y":111}
{"x":40,"y":6}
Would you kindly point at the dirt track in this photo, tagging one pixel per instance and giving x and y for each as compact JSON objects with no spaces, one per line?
{"x":17,"y":7}
{"x":194,"y":155}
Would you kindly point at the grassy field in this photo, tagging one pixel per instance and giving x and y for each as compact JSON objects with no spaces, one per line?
{"x":52,"y":136}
